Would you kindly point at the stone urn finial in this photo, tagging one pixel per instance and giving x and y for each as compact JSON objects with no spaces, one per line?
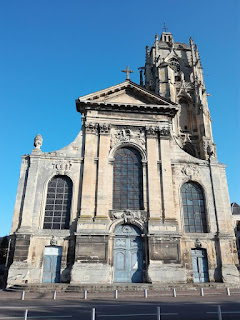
{"x":38,"y":142}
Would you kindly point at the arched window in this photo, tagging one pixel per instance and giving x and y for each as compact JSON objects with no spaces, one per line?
{"x":184,"y":116}
{"x":127,"y":180}
{"x":193,"y":208}
{"x":58,"y":204}
{"x":189,"y":148}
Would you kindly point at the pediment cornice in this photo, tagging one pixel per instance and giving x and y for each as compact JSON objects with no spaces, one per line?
{"x":127,"y":97}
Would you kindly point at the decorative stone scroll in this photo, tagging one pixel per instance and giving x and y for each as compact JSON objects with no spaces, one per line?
{"x":125,"y":134}
{"x":104,"y":128}
{"x":129,"y":216}
{"x":91,"y":127}
{"x":62,"y":165}
{"x":191,"y":171}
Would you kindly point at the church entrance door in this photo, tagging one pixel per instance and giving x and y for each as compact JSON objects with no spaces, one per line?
{"x":52,"y":264}
{"x":200,"y":265}
{"x":128,"y":257}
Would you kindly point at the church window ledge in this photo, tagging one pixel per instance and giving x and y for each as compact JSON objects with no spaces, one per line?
{"x":55,"y":232}
{"x":202,"y":236}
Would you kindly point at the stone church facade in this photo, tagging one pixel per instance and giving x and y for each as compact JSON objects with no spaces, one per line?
{"x":139,"y":195}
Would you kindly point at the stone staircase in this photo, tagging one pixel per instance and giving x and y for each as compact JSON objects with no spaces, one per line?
{"x":121,"y":287}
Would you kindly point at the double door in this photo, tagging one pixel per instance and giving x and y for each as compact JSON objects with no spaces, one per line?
{"x":200,"y":265}
{"x":128,"y":258}
{"x":52,"y":264}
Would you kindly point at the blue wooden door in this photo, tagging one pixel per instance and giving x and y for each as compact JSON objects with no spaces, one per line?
{"x":52,"y":264}
{"x":200,"y":265}
{"x":127,"y":259}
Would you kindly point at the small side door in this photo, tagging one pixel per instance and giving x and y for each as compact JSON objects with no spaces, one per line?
{"x":52,"y":264}
{"x":199,"y":265}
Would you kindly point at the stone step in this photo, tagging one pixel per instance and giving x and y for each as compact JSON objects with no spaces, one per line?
{"x":121,"y":287}
{"x":40,"y":287}
{"x":142,"y":286}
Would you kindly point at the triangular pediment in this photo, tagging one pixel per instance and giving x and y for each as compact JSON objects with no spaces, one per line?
{"x":126,"y":92}
{"x":126,"y":97}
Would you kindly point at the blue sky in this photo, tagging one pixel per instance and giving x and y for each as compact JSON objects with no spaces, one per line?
{"x":54,"y":51}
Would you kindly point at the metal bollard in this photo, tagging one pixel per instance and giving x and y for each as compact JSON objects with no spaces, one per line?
{"x":54,"y":295}
{"x":219,"y":313}
{"x":115,"y":294}
{"x":158,"y":313}
{"x":228,"y":291}
{"x":26,"y":314}
{"x":23,"y":295}
{"x":85,"y":294}
{"x":93,"y":314}
{"x":145,"y":293}
{"x":201,"y":292}
{"x":174,"y":292}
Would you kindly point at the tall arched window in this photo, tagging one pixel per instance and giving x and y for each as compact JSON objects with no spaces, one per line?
{"x":58,"y":204}
{"x":193,"y":208}
{"x":127,"y":180}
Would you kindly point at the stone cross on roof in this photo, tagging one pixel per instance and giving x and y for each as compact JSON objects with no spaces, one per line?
{"x":127,"y":71}
{"x":164,"y":27}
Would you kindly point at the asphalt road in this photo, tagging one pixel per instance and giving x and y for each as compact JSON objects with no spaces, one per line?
{"x":180,"y":308}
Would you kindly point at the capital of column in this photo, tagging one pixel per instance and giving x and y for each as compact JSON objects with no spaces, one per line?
{"x":91,"y":127}
{"x":153,"y":131}
{"x":164,"y":132}
{"x":104,"y":128}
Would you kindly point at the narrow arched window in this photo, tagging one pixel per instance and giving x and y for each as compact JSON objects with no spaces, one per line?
{"x":58,"y":204}
{"x":193,"y":208}
{"x":127,"y":180}
{"x":189,"y":148}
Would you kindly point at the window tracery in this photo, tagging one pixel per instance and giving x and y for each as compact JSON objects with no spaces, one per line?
{"x":58,"y":203}
{"x":193,"y":208}
{"x":127,"y":180}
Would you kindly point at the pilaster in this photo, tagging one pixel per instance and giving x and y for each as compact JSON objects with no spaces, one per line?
{"x":218,"y":189}
{"x":166,"y":177}
{"x":153,"y":173}
{"x":30,"y":191}
{"x":89,"y":171}
{"x":20,"y":193}
{"x":103,"y":167}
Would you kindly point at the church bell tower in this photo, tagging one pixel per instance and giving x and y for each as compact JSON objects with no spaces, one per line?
{"x":174,"y":71}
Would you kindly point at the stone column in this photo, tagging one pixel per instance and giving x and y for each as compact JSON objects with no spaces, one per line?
{"x":89,"y":171}
{"x":103,"y":166}
{"x":169,"y":212}
{"x":154,"y":195}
